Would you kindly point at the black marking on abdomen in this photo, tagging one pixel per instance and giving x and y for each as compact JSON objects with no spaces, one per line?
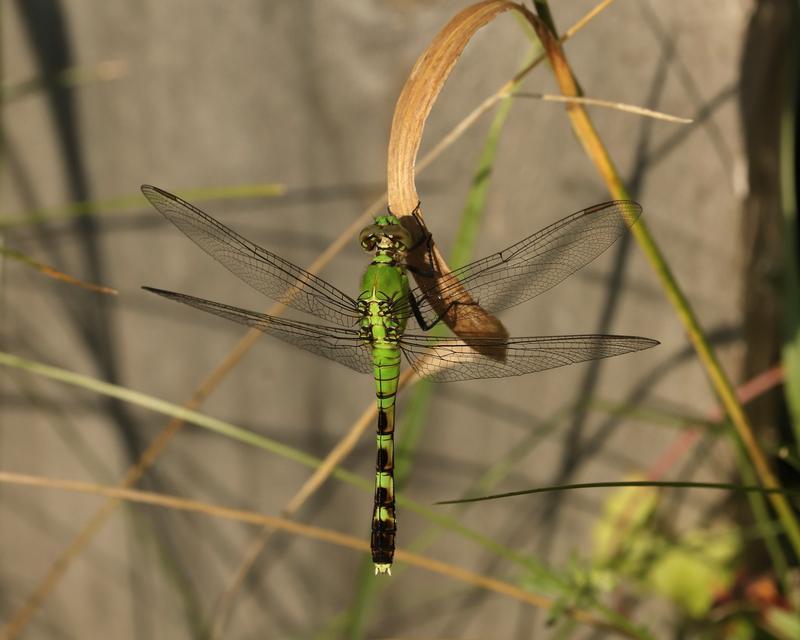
{"x":384,"y":523}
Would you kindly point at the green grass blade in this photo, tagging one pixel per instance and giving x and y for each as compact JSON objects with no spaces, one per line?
{"x":763,"y":524}
{"x":657,"y":416}
{"x":71,"y":77}
{"x":631,"y":483}
{"x":790,"y":303}
{"x":161,"y":406}
{"x":137,"y":201}
{"x":473,"y":213}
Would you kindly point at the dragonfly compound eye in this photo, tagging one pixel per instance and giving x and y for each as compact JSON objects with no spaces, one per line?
{"x":399,"y":235}
{"x":369,"y":237}
{"x":367,"y":242}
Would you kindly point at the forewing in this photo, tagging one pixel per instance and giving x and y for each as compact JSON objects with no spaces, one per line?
{"x":340,"y":345}
{"x":264,"y":271}
{"x":446,"y":359}
{"x":535,"y":264}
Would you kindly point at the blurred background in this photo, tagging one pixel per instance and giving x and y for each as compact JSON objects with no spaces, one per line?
{"x":233,"y":102}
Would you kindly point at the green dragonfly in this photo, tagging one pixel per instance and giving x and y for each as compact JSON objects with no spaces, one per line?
{"x":367,"y":333}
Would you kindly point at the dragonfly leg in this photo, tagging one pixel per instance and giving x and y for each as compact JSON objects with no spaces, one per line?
{"x":425,"y":326}
{"x":424,"y":273}
{"x":418,"y":315}
{"x":426,"y":238}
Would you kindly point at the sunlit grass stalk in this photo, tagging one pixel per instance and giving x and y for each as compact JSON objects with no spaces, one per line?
{"x":598,"y":154}
{"x":418,"y":404}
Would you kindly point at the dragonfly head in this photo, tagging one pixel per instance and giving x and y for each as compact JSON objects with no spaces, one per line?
{"x":386,"y":235}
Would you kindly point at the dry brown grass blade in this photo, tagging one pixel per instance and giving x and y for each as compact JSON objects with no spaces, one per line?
{"x":608,"y":104}
{"x":115,"y":494}
{"x":52,"y":272}
{"x":158,"y":445}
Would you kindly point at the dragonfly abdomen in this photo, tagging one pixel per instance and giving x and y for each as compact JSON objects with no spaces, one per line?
{"x":386,"y":360}
{"x":381,"y":328}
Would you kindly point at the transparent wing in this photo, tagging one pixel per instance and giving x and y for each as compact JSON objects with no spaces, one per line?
{"x":340,"y":345}
{"x":264,"y":271}
{"x":447,"y":359}
{"x":535,"y":264}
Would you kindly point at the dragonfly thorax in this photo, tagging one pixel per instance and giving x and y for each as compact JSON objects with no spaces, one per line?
{"x":383,"y":288}
{"x":380,"y":323}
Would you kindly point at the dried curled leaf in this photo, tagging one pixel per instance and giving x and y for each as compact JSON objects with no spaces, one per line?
{"x":413,"y":107}
{"x":411,"y":112}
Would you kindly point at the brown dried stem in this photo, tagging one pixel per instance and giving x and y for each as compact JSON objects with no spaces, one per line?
{"x":54,"y":273}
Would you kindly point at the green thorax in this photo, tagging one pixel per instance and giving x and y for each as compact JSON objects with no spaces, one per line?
{"x":384,"y":284}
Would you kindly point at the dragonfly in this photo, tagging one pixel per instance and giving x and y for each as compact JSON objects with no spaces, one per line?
{"x":368,"y":333}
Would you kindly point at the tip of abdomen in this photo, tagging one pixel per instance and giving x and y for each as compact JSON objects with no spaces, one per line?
{"x":383,"y":569}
